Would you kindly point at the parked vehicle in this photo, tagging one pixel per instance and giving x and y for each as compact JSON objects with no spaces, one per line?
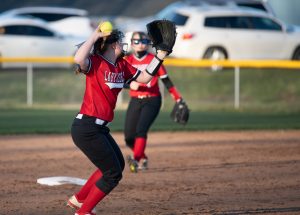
{"x":27,"y":37}
{"x":261,"y":5}
{"x":64,"y":20}
{"x":128,"y":25}
{"x":233,"y":33}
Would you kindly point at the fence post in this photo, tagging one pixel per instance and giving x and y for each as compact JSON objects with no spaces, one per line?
{"x":236,"y":87}
{"x":29,"y":84}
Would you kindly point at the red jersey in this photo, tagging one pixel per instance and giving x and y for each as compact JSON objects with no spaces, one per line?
{"x":152,"y":88}
{"x":104,"y":81}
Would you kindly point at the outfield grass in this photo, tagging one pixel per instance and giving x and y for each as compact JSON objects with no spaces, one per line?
{"x":46,"y":121}
{"x":269,"y":99}
{"x":260,"y":89}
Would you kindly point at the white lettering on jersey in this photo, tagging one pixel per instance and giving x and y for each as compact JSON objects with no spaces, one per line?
{"x":114,"y":80}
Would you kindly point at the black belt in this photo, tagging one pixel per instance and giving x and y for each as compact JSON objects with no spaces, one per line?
{"x":97,"y":120}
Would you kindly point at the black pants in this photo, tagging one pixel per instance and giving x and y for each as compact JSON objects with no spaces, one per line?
{"x":99,"y":146}
{"x":140,"y":115}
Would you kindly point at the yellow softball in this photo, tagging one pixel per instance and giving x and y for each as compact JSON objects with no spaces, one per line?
{"x":105,"y":27}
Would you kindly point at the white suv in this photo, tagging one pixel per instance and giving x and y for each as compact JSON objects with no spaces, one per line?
{"x":233,"y":33}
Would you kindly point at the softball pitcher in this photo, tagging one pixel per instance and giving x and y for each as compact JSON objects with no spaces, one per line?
{"x":145,"y":102}
{"x":100,"y":59}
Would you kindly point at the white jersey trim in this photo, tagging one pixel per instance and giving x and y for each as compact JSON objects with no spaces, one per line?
{"x":114,"y":85}
{"x":163,"y":76}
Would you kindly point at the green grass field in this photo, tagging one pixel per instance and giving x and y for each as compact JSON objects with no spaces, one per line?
{"x":269,"y":99}
{"x":265,"y":90}
{"x":47,"y":121}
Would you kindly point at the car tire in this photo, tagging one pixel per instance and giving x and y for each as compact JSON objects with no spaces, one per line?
{"x":296,"y":55}
{"x":215,"y":53}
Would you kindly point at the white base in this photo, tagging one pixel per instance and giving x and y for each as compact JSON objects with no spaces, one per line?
{"x":59,"y":180}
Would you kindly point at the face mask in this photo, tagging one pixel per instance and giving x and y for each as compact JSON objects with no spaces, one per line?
{"x":140,"y":54}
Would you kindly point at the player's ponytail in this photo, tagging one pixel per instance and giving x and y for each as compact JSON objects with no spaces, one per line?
{"x":100,"y":47}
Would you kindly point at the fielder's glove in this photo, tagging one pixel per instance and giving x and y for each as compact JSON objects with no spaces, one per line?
{"x":180,"y":112}
{"x":162,"y":34}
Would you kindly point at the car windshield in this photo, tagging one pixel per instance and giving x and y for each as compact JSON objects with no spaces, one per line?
{"x":254,"y":6}
{"x":168,"y":10}
{"x":177,"y":18}
{"x":49,"y":17}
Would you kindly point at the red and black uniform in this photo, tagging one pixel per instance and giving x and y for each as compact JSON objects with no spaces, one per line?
{"x":104,"y":81}
{"x":144,"y":105}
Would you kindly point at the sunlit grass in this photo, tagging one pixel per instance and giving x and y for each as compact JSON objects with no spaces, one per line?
{"x":46,"y":121}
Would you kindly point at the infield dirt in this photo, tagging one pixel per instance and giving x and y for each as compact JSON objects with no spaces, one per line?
{"x":240,"y":172}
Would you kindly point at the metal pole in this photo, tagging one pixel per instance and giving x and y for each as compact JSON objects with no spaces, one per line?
{"x":236,"y":87}
{"x":29,"y":84}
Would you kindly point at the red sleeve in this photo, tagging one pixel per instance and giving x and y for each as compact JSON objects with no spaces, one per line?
{"x":175,"y":94}
{"x":128,"y":59}
{"x":129,"y":70}
{"x":93,"y":64}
